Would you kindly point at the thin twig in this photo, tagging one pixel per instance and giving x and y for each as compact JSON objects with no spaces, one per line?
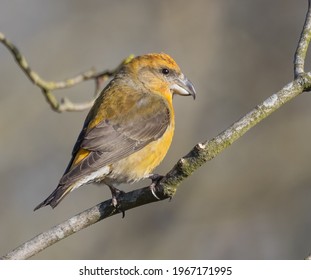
{"x":303,"y":44}
{"x":48,"y":86}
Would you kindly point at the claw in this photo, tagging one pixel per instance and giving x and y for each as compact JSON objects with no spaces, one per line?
{"x":152,"y":189}
{"x":155,"y":179}
{"x":116,"y":194}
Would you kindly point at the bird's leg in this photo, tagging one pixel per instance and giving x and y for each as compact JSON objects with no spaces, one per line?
{"x":115,"y":194}
{"x":155,"y":178}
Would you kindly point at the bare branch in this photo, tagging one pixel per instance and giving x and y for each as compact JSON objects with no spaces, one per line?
{"x":303,"y":44}
{"x":48,"y":86}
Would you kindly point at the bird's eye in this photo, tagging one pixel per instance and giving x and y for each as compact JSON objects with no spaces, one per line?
{"x":165,"y":71}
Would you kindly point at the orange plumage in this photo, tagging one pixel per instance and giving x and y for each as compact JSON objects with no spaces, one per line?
{"x":129,"y":129}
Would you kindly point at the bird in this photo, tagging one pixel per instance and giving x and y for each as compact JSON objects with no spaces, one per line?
{"x":128,"y":130}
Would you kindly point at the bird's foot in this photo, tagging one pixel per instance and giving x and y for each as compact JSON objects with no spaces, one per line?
{"x":116,"y":194}
{"x":155,"y":180}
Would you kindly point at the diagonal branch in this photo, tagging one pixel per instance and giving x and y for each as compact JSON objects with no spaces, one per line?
{"x":48,"y":86}
{"x":199,"y":155}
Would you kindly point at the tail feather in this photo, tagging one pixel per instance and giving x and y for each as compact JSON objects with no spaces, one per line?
{"x":55,"y":197}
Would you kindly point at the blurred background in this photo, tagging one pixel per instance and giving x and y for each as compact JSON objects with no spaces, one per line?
{"x":251,"y":202}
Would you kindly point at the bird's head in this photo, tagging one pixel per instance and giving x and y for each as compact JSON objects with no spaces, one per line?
{"x":160,"y":74}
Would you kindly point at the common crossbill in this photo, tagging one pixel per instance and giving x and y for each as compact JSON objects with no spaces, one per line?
{"x":129,"y":129}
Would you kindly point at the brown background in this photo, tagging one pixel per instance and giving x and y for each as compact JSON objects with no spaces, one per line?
{"x":251,"y":202}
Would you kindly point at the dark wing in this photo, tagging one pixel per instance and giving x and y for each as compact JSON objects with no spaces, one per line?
{"x":115,"y":138}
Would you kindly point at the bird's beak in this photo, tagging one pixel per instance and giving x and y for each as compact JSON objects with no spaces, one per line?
{"x":183,"y":86}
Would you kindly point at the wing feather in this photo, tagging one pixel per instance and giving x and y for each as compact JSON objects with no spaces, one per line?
{"x":113,"y":139}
